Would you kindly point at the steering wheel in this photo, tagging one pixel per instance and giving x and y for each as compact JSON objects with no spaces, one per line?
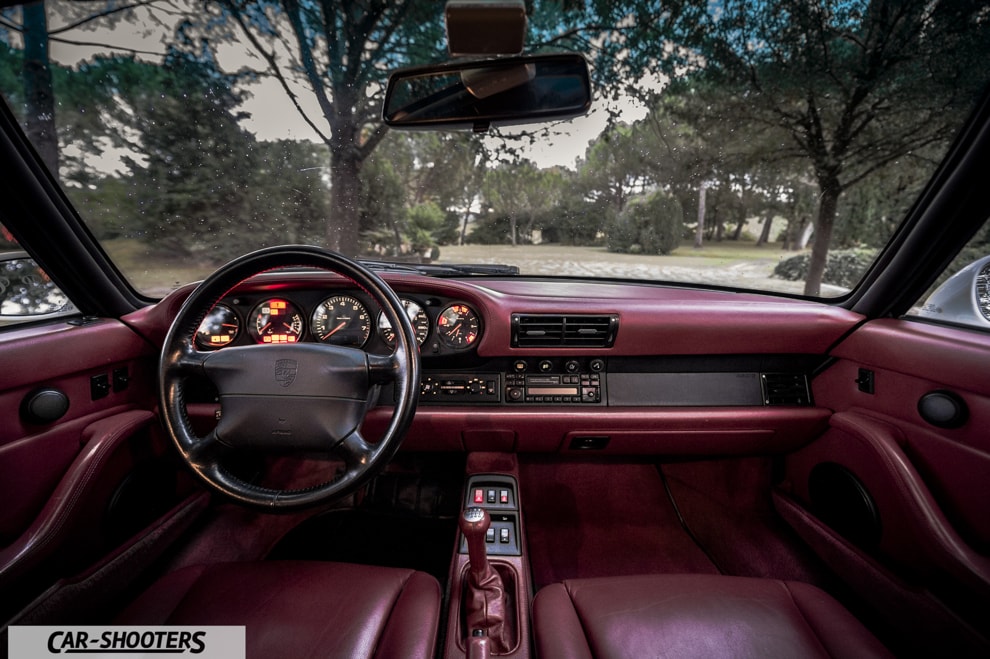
{"x":299,"y":397}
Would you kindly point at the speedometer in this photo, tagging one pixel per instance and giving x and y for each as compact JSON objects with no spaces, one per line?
{"x":342,"y":320}
{"x":420,"y":322}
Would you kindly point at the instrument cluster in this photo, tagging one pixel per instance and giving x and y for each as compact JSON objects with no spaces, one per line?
{"x":346,"y":319}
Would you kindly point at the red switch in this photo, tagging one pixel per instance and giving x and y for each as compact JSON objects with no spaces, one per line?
{"x":479,"y":496}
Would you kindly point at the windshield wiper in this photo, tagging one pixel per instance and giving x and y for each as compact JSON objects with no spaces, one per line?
{"x":439,"y":270}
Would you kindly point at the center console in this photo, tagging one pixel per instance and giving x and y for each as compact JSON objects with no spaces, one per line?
{"x":492,"y":486}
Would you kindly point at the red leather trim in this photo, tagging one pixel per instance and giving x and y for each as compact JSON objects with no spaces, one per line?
{"x":635,"y":431}
{"x":52,"y":526}
{"x":915,"y":531}
{"x":32,"y":354}
{"x":302,"y":608}
{"x":937,"y":353}
{"x":925,"y":626}
{"x":696,"y":616}
{"x":684,"y":321}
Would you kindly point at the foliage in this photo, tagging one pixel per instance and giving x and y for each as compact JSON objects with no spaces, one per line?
{"x":648,"y":225}
{"x":575,"y":221}
{"x":497,"y":230}
{"x":849,"y":88}
{"x":844,"y":268}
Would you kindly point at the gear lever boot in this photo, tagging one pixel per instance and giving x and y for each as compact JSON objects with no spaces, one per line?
{"x":484,"y":599}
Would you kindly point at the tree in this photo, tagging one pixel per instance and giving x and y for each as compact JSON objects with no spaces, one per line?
{"x":339,"y":51}
{"x":520,"y":192}
{"x":39,"y":89}
{"x":649,"y":224}
{"x":851,"y":87}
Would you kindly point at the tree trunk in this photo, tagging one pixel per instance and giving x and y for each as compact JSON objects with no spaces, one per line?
{"x":737,"y":234}
{"x":827,"y":205}
{"x":39,"y":96}
{"x":342,"y":231}
{"x":765,"y":234}
{"x":699,"y":234}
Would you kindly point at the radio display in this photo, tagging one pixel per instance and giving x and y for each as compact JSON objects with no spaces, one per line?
{"x":553,"y":391}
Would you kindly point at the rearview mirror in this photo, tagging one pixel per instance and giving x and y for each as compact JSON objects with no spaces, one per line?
{"x":476,"y":94}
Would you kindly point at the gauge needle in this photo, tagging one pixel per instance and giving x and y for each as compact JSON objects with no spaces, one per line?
{"x":336,"y":329}
{"x":265,"y":328}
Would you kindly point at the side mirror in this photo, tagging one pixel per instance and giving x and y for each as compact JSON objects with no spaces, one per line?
{"x":476,"y":94}
{"x":26,"y":292}
{"x":964,"y":298}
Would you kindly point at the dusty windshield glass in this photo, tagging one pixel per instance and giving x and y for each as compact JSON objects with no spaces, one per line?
{"x":763,"y":145}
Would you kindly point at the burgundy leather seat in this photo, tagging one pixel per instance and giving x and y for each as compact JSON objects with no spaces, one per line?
{"x":695,"y":616}
{"x":301,"y":609}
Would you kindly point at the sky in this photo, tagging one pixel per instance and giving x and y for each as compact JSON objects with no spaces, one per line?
{"x":273,"y":117}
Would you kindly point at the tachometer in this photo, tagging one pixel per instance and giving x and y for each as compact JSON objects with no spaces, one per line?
{"x":420,"y":322}
{"x":220,"y":327}
{"x":342,"y":320}
{"x":458,"y":326}
{"x":276,"y":321}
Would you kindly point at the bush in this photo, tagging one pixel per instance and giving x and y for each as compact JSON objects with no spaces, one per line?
{"x":574,"y":222}
{"x":844,"y":267}
{"x":653,"y":224}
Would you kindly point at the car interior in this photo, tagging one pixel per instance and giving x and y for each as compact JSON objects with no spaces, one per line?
{"x":358,"y":458}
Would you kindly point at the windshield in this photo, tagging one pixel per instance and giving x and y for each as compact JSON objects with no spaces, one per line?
{"x":764,"y":145}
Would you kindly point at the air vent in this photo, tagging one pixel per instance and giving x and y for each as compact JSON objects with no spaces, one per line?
{"x":563,"y":331}
{"x":785,"y":389}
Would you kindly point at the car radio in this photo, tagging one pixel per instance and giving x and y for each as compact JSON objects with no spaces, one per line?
{"x":541,"y":381}
{"x":573,"y":382}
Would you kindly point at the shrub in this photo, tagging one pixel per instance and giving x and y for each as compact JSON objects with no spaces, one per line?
{"x":654,"y":223}
{"x":844,"y":267}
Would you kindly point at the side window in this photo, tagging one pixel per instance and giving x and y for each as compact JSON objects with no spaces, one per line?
{"x":27,"y":294}
{"x":961,"y":296}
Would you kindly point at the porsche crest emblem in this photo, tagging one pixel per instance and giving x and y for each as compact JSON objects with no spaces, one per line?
{"x":285,"y":371}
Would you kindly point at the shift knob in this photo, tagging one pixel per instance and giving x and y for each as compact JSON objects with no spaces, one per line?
{"x":474,"y":525}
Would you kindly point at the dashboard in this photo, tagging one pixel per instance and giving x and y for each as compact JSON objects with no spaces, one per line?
{"x":513,"y":363}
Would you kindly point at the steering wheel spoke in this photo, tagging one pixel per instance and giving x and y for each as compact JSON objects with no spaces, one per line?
{"x":382,"y":369}
{"x":274,"y":398}
{"x":206,"y":450}
{"x":186,"y":360}
{"x":355,"y":451}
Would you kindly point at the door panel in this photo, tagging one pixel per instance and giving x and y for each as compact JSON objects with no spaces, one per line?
{"x":78,"y":486}
{"x":894,"y":502}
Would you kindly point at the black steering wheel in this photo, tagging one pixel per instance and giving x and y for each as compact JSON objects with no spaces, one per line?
{"x":300,"y":397}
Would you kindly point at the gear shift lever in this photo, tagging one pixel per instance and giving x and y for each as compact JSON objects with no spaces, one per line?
{"x":484,"y":599}
{"x":474,"y":525}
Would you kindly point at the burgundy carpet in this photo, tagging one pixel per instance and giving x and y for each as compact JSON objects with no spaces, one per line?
{"x":727,"y":506}
{"x":594,"y":519}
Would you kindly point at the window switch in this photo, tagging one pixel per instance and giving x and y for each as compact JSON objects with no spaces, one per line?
{"x":490,"y":535}
{"x":503,"y":536}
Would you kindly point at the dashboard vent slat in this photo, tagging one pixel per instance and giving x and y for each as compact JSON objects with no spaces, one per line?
{"x":785,"y":389}
{"x":563,"y":330}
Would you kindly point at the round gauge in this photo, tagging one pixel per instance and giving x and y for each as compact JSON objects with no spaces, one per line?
{"x":458,"y":326}
{"x":420,"y":322}
{"x":342,"y":320}
{"x":276,"y":321}
{"x":219,"y":328}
